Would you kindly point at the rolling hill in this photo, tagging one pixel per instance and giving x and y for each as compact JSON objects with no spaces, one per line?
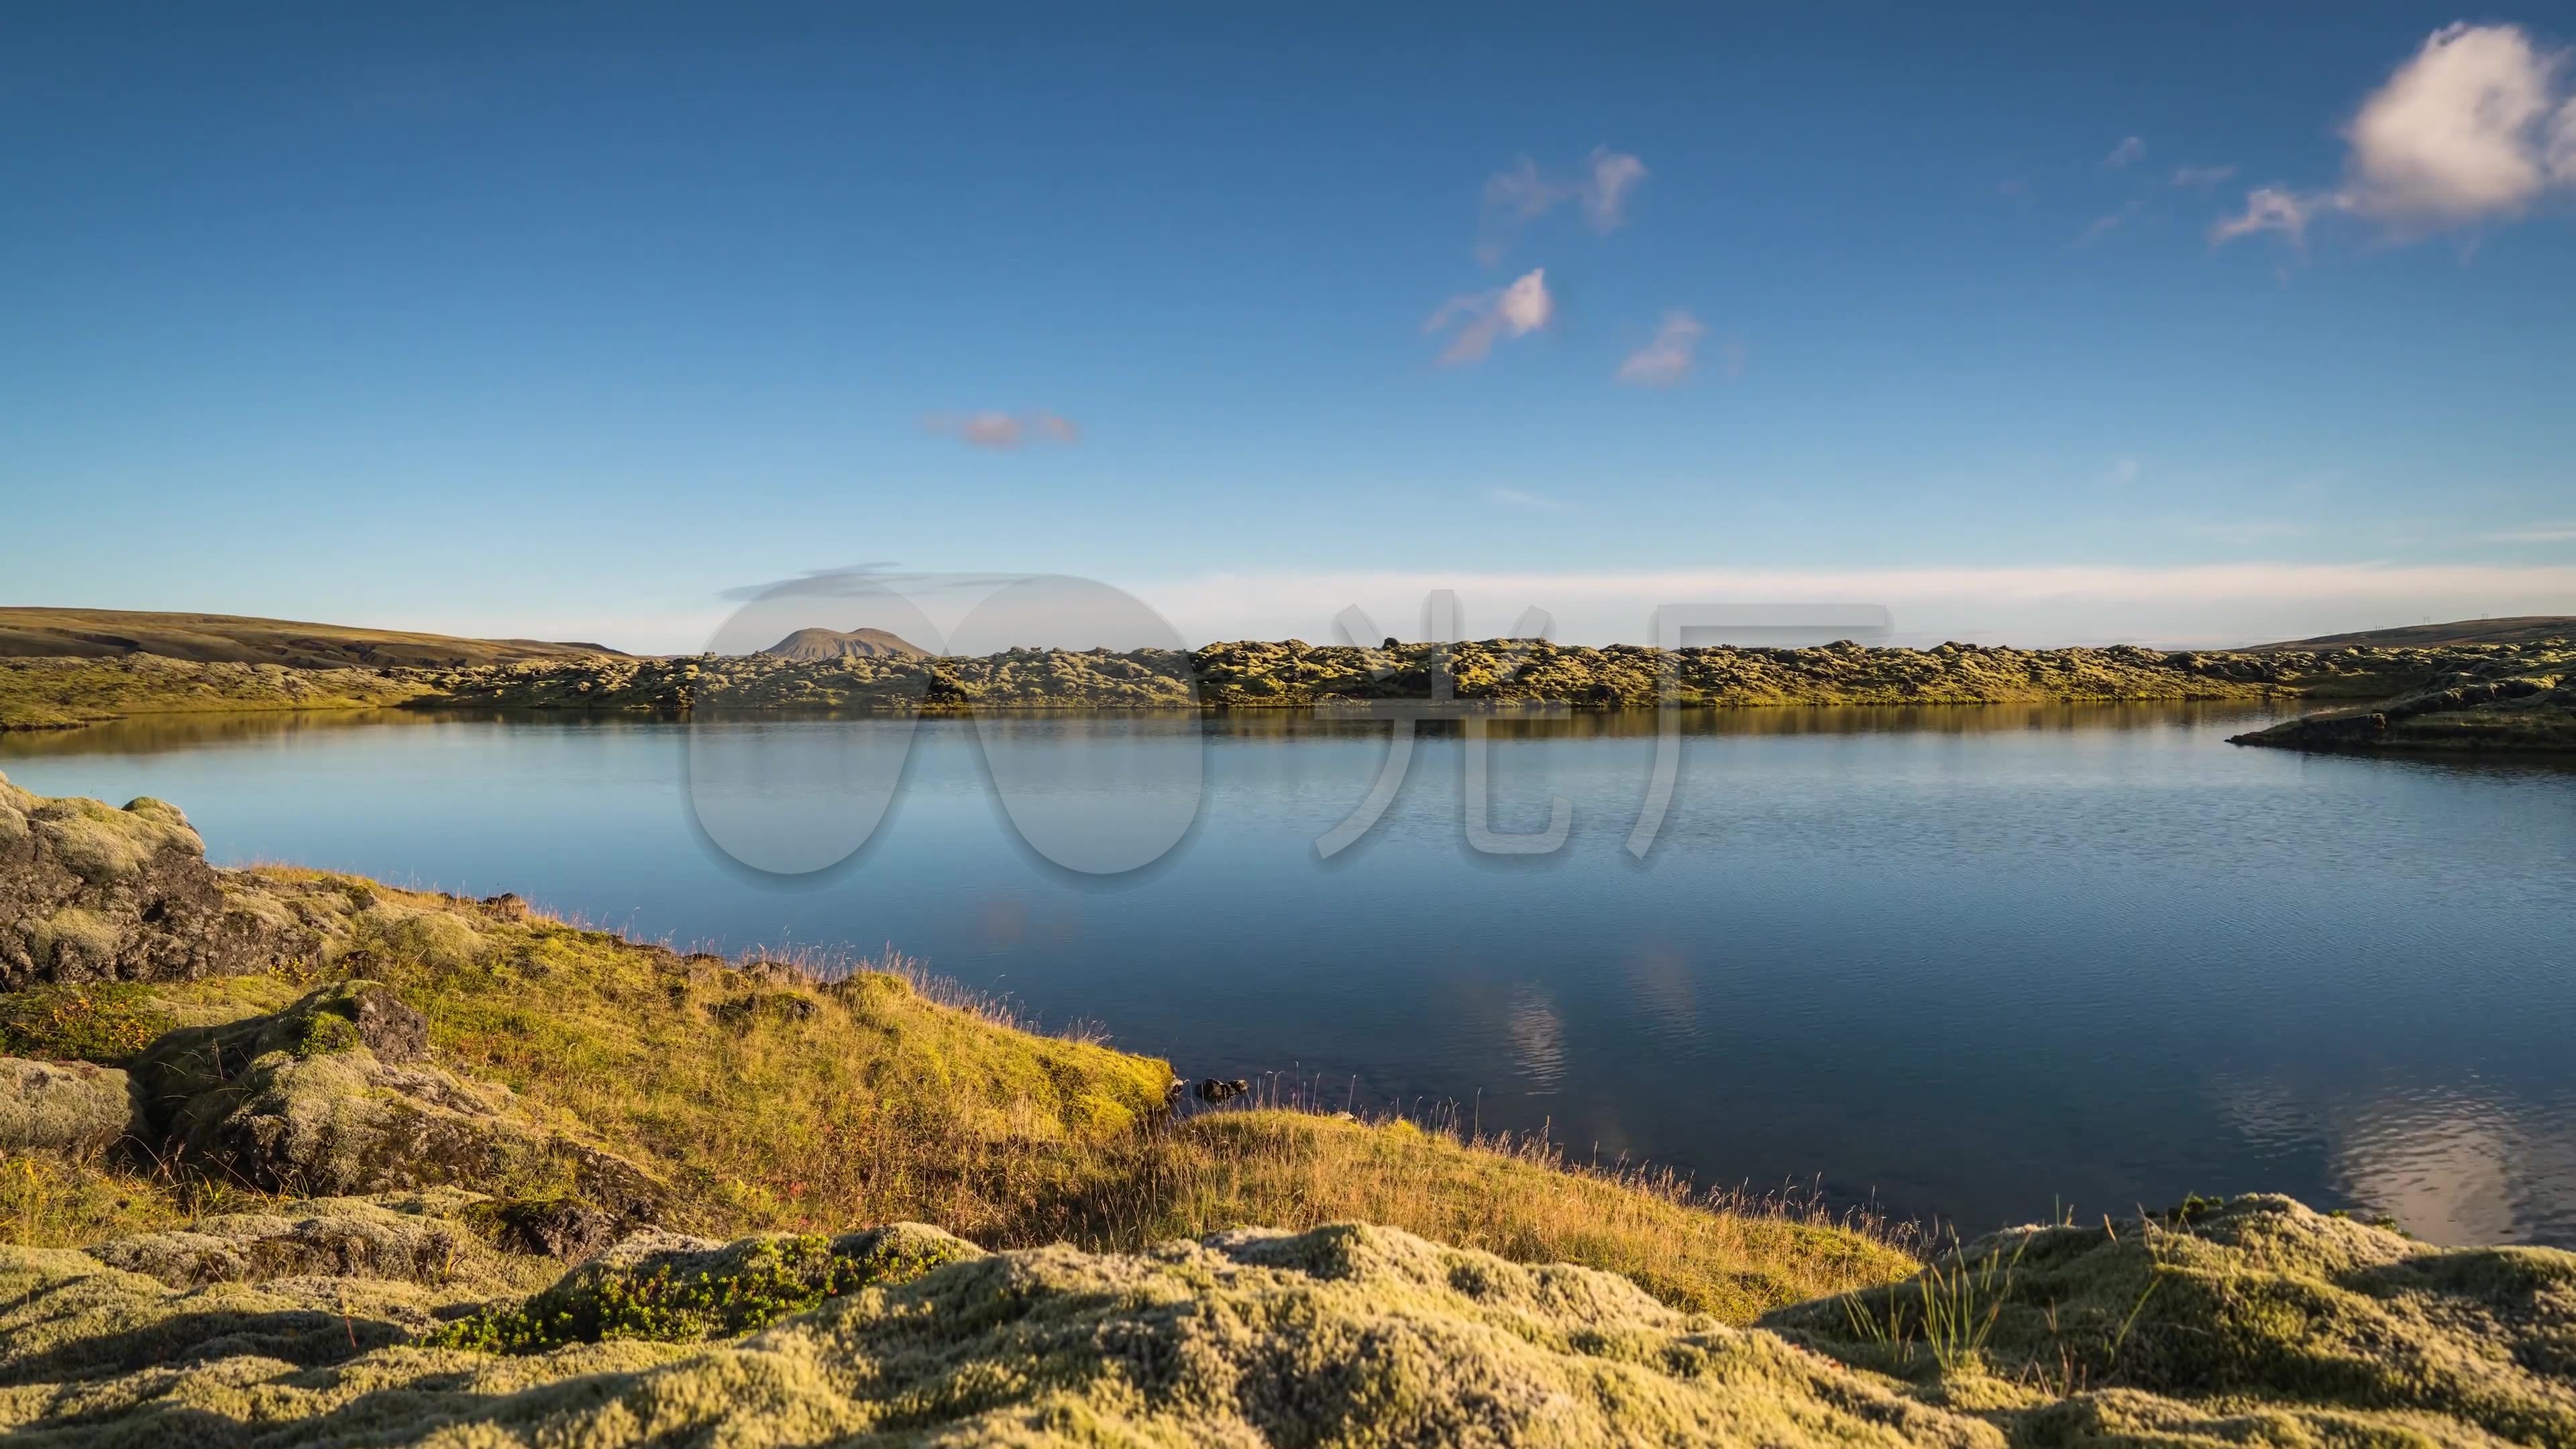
{"x":2522,"y":630}
{"x":229,"y":639}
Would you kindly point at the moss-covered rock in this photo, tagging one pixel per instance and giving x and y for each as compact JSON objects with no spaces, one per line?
{"x":330,"y":1097}
{"x":67,"y":1106}
{"x":91,"y":893}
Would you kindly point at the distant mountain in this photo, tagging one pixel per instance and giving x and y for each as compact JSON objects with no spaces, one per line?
{"x":810,"y":645}
{"x":231,"y":639}
{"x":2522,"y":630}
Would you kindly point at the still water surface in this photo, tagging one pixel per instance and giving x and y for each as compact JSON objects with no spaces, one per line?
{"x":1971,"y":962}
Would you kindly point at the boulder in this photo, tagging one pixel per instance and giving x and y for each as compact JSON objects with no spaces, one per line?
{"x":92,"y":893}
{"x":334,"y":1096}
{"x":66,"y":1106}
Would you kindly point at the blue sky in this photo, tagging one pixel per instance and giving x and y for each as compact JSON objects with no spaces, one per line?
{"x":568,"y":323}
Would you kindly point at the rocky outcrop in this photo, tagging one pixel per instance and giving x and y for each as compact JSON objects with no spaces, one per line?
{"x":333,"y":1096}
{"x":92,"y":893}
{"x":62,"y":1106}
{"x":2461,"y":712}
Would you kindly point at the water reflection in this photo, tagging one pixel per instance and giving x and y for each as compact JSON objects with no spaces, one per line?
{"x":1970,"y":961}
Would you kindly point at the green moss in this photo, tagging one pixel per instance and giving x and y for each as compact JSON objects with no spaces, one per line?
{"x":680,"y":1296}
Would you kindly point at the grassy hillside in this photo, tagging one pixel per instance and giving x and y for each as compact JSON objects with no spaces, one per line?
{"x":227,"y":639}
{"x":2522,"y":629}
{"x":62,"y":693}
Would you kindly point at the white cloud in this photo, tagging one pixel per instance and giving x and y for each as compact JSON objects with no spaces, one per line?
{"x":2462,"y":132}
{"x":2195,"y":176}
{"x":2478,"y":125}
{"x":1484,"y":318}
{"x":1002,"y":431}
{"x":2268,"y":208}
{"x":2128,"y":151}
{"x":1523,"y":498}
{"x":1667,"y":359}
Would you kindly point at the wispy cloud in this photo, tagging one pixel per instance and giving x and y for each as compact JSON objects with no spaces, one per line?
{"x":2533,"y":533}
{"x":1002,"y":431}
{"x":2268,"y":208}
{"x":2125,"y":472}
{"x":2110,"y":222}
{"x":2125,"y":154}
{"x":1523,"y":498}
{"x":1477,"y":321}
{"x":1667,"y":359}
{"x":1523,"y":194}
{"x":2477,"y":126}
{"x":1613,"y":174}
{"x":2201,"y":176}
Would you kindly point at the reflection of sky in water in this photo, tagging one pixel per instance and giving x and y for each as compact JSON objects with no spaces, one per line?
{"x":2455,"y":1164}
{"x":1976,"y":961}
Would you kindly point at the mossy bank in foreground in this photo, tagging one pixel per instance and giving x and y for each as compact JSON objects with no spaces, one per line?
{"x":2252,"y":1323}
{"x":296,"y":1158}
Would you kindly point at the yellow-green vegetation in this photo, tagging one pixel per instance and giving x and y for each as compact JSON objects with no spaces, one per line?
{"x":65,"y":1200}
{"x":1251,"y":675}
{"x":1517,"y":1198}
{"x":61,"y":693}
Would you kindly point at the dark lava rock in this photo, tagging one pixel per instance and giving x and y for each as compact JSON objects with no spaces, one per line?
{"x":92,"y":893}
